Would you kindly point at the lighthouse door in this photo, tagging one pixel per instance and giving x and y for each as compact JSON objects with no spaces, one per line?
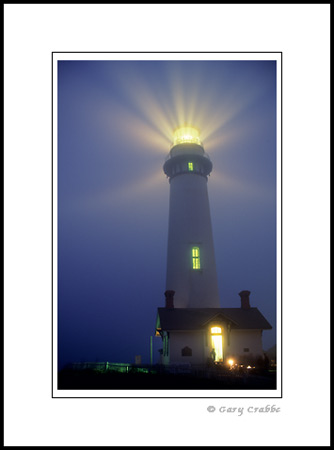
{"x":217,"y":343}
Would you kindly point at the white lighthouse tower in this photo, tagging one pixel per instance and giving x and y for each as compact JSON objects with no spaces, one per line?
{"x":191,"y":266}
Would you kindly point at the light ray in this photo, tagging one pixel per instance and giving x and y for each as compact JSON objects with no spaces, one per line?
{"x":156,"y":107}
{"x":245,"y":189}
{"x":116,"y":196}
{"x":177,"y":100}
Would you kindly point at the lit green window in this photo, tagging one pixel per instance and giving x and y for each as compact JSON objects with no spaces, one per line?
{"x":190,"y":166}
{"x":196,"y":258}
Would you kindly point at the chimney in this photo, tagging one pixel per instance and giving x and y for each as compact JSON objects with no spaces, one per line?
{"x":244,"y":295}
{"x":169,"y":299}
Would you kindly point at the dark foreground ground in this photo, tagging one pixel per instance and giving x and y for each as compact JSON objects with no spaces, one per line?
{"x":92,"y":379}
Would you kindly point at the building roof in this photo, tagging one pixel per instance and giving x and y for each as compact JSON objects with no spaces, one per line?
{"x":197,"y":318}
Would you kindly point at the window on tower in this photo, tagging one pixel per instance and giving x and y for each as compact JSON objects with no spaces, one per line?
{"x":190,"y":166}
{"x":196,"y":258}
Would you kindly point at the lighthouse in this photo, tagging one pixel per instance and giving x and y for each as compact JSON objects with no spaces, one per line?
{"x":193,"y":327}
{"x":191,"y":265}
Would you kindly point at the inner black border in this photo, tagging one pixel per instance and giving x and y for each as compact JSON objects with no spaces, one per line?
{"x":52,"y":233}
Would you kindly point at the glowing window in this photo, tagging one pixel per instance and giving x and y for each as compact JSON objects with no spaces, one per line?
{"x":217,"y":343}
{"x":196,"y":258}
{"x":216,"y":330}
{"x":190,"y":166}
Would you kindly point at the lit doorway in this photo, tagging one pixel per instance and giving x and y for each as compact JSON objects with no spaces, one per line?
{"x":217,"y":343}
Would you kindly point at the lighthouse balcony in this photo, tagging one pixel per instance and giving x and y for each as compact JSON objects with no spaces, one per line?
{"x":198,"y":164}
{"x":188,"y":149}
{"x":174,"y":154}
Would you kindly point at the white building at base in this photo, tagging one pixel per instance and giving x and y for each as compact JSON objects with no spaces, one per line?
{"x":189,"y":335}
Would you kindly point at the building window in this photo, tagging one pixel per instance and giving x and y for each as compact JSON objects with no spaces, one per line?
{"x":190,"y":166}
{"x":196,"y":258}
{"x":186,"y":351}
{"x":217,"y":343}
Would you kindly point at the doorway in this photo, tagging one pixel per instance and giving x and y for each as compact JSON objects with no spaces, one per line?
{"x":217,"y":343}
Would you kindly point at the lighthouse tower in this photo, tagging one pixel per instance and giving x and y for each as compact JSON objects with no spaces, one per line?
{"x":191,"y":266}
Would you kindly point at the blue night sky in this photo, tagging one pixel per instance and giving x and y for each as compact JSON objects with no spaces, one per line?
{"x":115,"y":127}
